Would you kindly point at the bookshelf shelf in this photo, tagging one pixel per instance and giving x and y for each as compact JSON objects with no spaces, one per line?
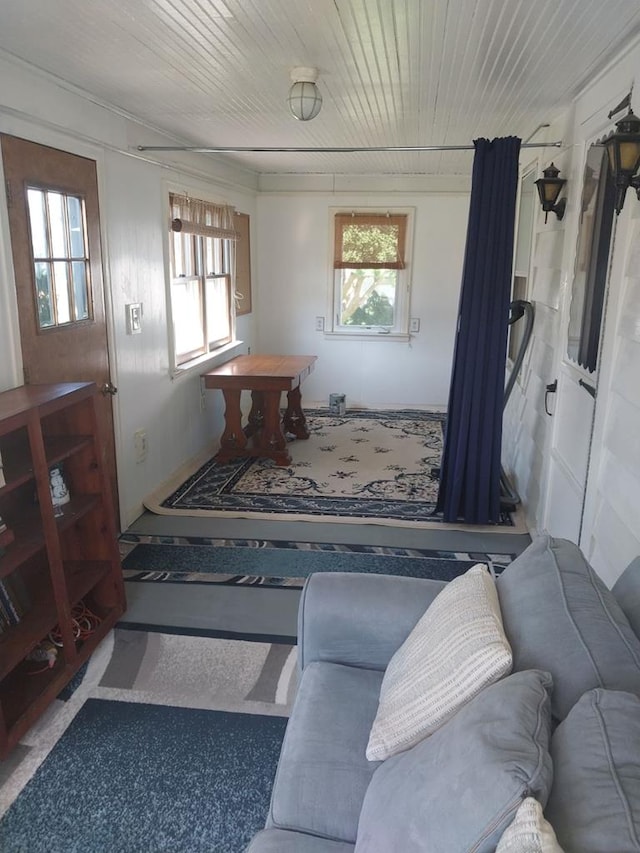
{"x":56,"y":561}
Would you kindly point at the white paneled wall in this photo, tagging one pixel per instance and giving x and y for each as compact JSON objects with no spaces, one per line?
{"x":291,"y":269}
{"x":539,"y":450}
{"x":294,"y":258}
{"x":526,"y":426}
{"x":134,"y":216}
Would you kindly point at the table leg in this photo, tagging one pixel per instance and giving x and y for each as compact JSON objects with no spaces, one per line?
{"x":294,"y":420}
{"x":271,"y":438}
{"x":233,"y":440}
{"x":256,"y":415}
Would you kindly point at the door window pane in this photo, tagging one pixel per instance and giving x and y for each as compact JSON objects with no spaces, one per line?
{"x":81,"y":307}
{"x":44,"y":298}
{"x":60,"y":254}
{"x":56,"y":224}
{"x":76,"y":227}
{"x":38,"y":222}
{"x":61,"y":285}
{"x":592,"y":260}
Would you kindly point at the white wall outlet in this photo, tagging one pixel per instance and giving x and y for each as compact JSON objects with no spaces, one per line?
{"x":319,"y":324}
{"x":140,"y":445}
{"x":134,"y":318}
{"x":414,"y":324}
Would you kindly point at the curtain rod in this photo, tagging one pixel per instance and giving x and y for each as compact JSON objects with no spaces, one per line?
{"x":232,"y":149}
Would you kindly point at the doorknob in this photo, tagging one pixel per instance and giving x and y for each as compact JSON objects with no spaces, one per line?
{"x":550,"y":389}
{"x":109,"y":388}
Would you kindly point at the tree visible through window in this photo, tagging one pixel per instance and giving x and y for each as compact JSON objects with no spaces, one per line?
{"x":369,"y":259}
{"x":60,"y":257}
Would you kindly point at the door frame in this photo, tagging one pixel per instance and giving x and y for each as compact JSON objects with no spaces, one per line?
{"x":14,"y":126}
{"x":564,"y":368}
{"x":621,"y":235}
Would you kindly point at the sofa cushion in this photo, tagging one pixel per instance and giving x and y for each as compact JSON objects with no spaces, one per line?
{"x":323,"y":772}
{"x":559,"y":616}
{"x":282,"y":841}
{"x":594,"y":804}
{"x":627,"y":592}
{"x":530,"y":832}
{"x":456,"y":649}
{"x":460,"y":788}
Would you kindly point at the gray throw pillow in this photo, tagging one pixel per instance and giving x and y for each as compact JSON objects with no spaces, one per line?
{"x":461,"y":787}
{"x":560,"y":617}
{"x":594,"y":805}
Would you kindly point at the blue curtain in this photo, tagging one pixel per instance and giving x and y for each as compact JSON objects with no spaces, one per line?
{"x":470,"y":469}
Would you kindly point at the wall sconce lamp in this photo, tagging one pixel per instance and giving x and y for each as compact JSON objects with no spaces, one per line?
{"x":549,"y":188}
{"x":305,"y":100}
{"x":623,"y":148}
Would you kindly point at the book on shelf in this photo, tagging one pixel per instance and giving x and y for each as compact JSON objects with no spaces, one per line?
{"x":14,"y":601}
{"x":3,"y":482}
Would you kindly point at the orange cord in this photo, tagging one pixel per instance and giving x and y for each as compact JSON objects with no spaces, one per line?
{"x":83,"y":621}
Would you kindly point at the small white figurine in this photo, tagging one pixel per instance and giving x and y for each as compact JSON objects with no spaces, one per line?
{"x":59,"y":491}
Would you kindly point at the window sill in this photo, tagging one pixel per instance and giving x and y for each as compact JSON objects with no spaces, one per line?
{"x":208,"y":361}
{"x":369,"y":336}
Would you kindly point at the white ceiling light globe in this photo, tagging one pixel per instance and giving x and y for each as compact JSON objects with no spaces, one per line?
{"x":305,"y":100}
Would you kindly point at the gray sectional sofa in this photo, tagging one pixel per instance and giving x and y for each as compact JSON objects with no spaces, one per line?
{"x":563,"y":727}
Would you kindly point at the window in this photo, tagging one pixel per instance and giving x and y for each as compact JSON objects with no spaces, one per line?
{"x":60,"y":258}
{"x":370,"y":282}
{"x":202,"y":254}
{"x":592,"y":259}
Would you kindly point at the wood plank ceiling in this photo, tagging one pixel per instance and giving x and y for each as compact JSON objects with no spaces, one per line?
{"x":392,"y":72}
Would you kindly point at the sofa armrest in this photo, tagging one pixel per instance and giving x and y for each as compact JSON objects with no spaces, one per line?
{"x":359,"y":619}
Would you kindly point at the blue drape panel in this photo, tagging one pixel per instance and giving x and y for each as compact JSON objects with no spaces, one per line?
{"x":470,"y":469}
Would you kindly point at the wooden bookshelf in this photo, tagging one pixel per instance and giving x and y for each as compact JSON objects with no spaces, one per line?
{"x":57,"y":560}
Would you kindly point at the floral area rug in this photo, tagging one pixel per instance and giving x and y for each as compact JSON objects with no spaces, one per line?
{"x":366,"y":466}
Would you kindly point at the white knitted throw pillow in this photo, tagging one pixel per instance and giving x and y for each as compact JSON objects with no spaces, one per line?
{"x":457,"y":648}
{"x":529,"y":832}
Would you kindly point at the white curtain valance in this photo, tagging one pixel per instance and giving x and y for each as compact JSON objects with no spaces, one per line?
{"x":195,"y":216}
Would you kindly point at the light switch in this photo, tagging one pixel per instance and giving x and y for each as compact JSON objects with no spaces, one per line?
{"x":134,"y":318}
{"x":414,"y":324}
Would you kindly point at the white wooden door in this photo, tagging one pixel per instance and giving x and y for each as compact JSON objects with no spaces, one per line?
{"x":574,"y":403}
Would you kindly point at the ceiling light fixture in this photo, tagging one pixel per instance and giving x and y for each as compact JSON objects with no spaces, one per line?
{"x":305,"y":100}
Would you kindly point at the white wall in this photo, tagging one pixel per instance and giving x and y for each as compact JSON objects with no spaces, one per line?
{"x":134,"y":210}
{"x":526,"y":425}
{"x":610,"y":521}
{"x":294,"y":254}
{"x":290,"y":272}
{"x":290,"y":269}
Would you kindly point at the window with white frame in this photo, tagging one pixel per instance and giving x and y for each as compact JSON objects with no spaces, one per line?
{"x":370,"y":276}
{"x":202,"y":261}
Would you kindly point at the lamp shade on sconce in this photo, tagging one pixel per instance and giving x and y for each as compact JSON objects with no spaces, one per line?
{"x":549,"y":188}
{"x":623,"y":148}
{"x":305,"y":100}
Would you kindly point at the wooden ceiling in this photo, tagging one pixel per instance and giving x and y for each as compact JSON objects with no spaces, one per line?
{"x":391,"y":72}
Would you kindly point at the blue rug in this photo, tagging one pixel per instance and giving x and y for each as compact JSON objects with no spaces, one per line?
{"x":366,"y":465}
{"x":287,"y":564}
{"x":135,"y":778}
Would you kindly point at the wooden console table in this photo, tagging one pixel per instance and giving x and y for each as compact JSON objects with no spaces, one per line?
{"x":266,"y":376}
